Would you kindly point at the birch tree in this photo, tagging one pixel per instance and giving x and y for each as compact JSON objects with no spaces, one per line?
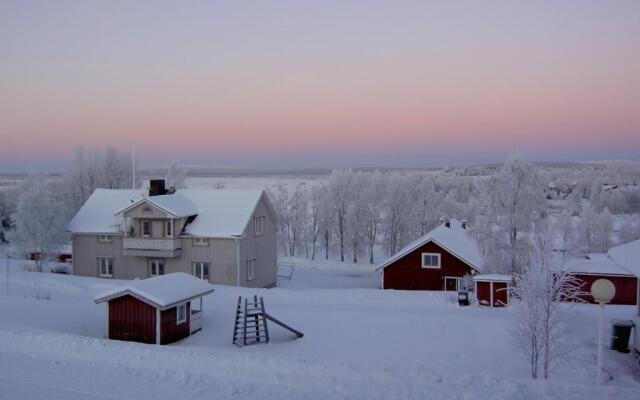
{"x":176,"y":176}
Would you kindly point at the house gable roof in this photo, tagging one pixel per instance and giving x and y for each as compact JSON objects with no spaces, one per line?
{"x":219,"y":213}
{"x":627,"y":256}
{"x":454,"y":239}
{"x":163,"y":291}
{"x":593,"y":264}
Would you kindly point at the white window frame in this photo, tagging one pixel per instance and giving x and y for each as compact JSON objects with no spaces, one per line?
{"x":202,"y":264}
{"x":258,"y":225}
{"x":431,"y":266}
{"x":104,"y":239}
{"x":200,"y":241}
{"x":251,"y":269}
{"x":457,"y":279}
{"x":156,"y":261}
{"x":142,"y":228}
{"x":182,"y":306}
{"x":109,"y":261}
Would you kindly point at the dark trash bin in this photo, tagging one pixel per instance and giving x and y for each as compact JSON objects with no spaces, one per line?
{"x":463,"y":298}
{"x":620,"y":334}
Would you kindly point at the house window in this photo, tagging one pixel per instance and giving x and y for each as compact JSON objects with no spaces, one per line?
{"x":258,"y":225}
{"x":431,"y":260}
{"x":105,"y":267}
{"x":169,"y":228}
{"x":157,"y":267}
{"x":201,"y":269}
{"x":251,"y":269}
{"x":147,"y":210}
{"x":197,"y":241}
{"x":104,"y":238}
{"x":181,"y":314}
{"x":146,"y":228}
{"x":451,"y":284}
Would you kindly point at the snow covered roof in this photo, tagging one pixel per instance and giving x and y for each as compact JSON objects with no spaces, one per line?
{"x":162,"y":291}
{"x":493,"y":278}
{"x":627,"y":256}
{"x":455,"y":239}
{"x":175,"y":204}
{"x":593,"y":264}
{"x":218,"y":213}
{"x":96,"y":214}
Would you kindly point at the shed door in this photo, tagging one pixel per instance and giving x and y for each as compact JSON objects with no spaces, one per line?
{"x":500,"y":295}
{"x":484,"y":293}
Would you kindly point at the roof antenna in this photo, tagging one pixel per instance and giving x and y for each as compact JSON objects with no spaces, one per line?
{"x":133,"y":164}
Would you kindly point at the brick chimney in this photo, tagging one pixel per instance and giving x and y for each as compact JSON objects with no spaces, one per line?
{"x":463,"y":224}
{"x":156,"y":187}
{"x":447,"y":223}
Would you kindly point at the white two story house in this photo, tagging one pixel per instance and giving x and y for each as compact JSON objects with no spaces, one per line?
{"x":224,"y":236}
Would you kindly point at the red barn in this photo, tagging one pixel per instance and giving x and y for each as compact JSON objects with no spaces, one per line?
{"x":439,"y":260}
{"x":155,"y":310}
{"x":493,"y":289}
{"x":594,"y":266}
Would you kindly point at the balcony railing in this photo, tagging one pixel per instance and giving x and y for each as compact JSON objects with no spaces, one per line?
{"x":152,"y":247}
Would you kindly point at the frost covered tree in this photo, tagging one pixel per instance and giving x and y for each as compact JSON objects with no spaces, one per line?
{"x":373,"y":195}
{"x":339,"y":187}
{"x":604,"y":230}
{"x":176,"y":176}
{"x":630,"y":229}
{"x":541,"y":325}
{"x":39,"y":224}
{"x":516,"y":200}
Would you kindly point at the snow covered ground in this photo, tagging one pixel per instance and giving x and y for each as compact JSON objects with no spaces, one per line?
{"x":360,"y":342}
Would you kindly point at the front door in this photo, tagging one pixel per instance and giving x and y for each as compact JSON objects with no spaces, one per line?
{"x":451,"y":284}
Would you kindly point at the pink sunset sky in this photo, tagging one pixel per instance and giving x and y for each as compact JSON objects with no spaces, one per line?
{"x":305,"y":84}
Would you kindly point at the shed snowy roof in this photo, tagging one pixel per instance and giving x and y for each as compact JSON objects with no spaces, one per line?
{"x":593,"y":264}
{"x":218,"y":213}
{"x":454,"y":239}
{"x":627,"y":256}
{"x":163,"y":291}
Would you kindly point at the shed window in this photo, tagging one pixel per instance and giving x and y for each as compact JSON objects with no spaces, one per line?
{"x":146,"y":228}
{"x":181,"y":314}
{"x":201,"y":269}
{"x":105,"y":265}
{"x":157,"y":267}
{"x":251,"y":269}
{"x":430,"y":260}
{"x":258,"y":225}
{"x":198,"y":241}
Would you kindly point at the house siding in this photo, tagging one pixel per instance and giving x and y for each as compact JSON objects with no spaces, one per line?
{"x":407,"y":272}
{"x":626,"y":288}
{"x":221,"y":254}
{"x":261,"y":247}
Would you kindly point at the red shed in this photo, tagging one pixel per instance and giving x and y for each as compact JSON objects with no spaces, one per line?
{"x":492,"y":289}
{"x":594,"y":266}
{"x":156,"y":310}
{"x":437,"y":261}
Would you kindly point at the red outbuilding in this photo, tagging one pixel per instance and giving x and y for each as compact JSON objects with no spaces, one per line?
{"x":158,"y":310}
{"x":492,"y":290}
{"x":443,"y":259}
{"x":594,"y":266}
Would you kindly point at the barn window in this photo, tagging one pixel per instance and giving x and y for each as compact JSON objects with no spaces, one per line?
{"x":201,"y":269}
{"x":198,"y":241}
{"x":251,"y":269}
{"x":181,"y":314}
{"x":105,"y":265}
{"x":258,"y":225}
{"x":104,"y":238}
{"x":157,"y":267}
{"x":146,"y":228}
{"x":430,"y":260}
